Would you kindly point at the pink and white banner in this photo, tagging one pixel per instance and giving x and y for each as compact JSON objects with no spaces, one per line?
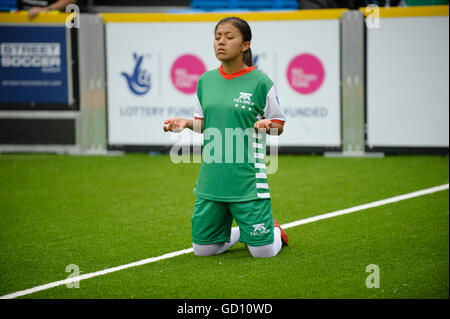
{"x":152,"y":72}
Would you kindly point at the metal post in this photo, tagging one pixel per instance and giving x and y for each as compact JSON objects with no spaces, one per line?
{"x":353,"y":86}
{"x":91,"y":124}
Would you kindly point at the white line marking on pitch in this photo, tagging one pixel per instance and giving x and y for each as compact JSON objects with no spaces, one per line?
{"x":190,"y":250}
{"x":367,"y":206}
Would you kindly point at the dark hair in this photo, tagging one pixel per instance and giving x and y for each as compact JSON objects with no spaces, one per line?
{"x":244,"y":28}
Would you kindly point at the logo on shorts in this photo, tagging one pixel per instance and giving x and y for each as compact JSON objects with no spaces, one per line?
{"x":259,"y":229}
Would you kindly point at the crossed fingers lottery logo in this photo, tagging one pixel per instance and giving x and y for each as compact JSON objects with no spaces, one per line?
{"x":139,"y":80}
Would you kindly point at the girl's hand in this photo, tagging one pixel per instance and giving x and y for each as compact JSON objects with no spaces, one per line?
{"x":175,"y":125}
{"x":264,"y":124}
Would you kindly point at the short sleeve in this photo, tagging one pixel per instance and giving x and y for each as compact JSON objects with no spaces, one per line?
{"x":198,"y":111}
{"x":272,"y":111}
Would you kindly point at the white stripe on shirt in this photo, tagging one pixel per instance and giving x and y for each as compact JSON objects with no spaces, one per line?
{"x":261,"y":175}
{"x":260,"y":165}
{"x":257,"y":145}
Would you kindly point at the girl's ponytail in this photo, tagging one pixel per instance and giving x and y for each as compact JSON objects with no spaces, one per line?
{"x":248,"y":57}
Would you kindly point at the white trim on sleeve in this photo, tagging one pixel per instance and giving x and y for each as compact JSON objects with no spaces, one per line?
{"x":198,"y":111}
{"x":272,"y":111}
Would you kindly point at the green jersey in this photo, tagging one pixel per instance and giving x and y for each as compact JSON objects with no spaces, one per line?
{"x":233,"y":158}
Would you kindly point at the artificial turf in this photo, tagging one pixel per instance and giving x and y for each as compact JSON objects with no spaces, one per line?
{"x":99,"y":212}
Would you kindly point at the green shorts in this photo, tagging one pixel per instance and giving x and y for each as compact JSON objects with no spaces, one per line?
{"x":212,"y":221}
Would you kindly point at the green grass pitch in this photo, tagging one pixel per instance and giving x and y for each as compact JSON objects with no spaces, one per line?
{"x":101,"y":212}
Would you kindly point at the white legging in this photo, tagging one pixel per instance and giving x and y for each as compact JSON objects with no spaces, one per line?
{"x":270,"y":250}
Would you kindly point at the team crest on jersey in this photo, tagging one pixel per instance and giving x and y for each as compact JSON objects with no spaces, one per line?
{"x":245,"y":98}
{"x":259,"y":229}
